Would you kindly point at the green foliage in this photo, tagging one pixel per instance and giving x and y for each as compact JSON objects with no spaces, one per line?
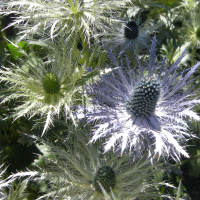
{"x":18,"y":192}
{"x":172,"y":52}
{"x":15,"y":52}
{"x":15,"y":155}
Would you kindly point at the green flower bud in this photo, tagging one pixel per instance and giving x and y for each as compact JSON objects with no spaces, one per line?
{"x":106,"y":177}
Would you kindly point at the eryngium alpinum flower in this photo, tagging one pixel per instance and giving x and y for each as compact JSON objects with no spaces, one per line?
{"x":131,"y":35}
{"x":144,"y":108}
{"x":48,"y":88}
{"x":61,"y":16}
{"x":83,"y":172}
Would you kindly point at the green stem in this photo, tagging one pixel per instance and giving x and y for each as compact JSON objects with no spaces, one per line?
{"x":171,"y":57}
{"x":193,"y":53}
{"x":86,"y":52}
{"x":188,"y":160}
{"x":3,"y":36}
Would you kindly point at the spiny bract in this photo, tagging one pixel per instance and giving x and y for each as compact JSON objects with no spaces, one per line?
{"x":57,"y":17}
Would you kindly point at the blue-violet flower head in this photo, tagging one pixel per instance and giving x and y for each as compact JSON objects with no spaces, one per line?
{"x":144,"y":108}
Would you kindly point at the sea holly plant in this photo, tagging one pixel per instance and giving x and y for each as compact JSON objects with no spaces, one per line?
{"x":48,"y":87}
{"x":144,"y":108}
{"x":76,"y":170}
{"x":84,"y":17}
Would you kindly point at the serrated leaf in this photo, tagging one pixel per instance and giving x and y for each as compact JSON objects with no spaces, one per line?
{"x":19,"y":193}
{"x":24,"y":139}
{"x":86,"y":79}
{"x":15,"y":51}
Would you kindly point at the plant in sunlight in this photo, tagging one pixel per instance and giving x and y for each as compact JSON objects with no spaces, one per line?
{"x":45,"y":88}
{"x":99,"y":99}
{"x":189,"y":4}
{"x":172,"y":53}
{"x":84,"y":17}
{"x":79,"y":171}
{"x":144,"y":108}
{"x":18,"y":192}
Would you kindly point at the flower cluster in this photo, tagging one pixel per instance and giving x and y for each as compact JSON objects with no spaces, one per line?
{"x":119,"y":122}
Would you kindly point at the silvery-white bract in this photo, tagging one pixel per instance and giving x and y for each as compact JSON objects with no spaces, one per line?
{"x":145,"y":108}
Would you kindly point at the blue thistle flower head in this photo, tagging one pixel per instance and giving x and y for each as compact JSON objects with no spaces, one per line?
{"x":145,"y":108}
{"x":131,"y":35}
{"x":131,"y":30}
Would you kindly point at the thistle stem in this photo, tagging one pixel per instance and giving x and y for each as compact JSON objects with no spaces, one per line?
{"x":193,"y":54}
{"x":86,"y":51}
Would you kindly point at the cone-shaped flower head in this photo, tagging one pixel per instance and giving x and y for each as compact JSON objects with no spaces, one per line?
{"x":84,"y":17}
{"x":143,"y":100}
{"x":47,"y":88}
{"x":83,"y":172}
{"x":198,"y":33}
{"x":106,"y":177}
{"x":51,"y":83}
{"x":144,"y":108}
{"x":131,"y":30}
